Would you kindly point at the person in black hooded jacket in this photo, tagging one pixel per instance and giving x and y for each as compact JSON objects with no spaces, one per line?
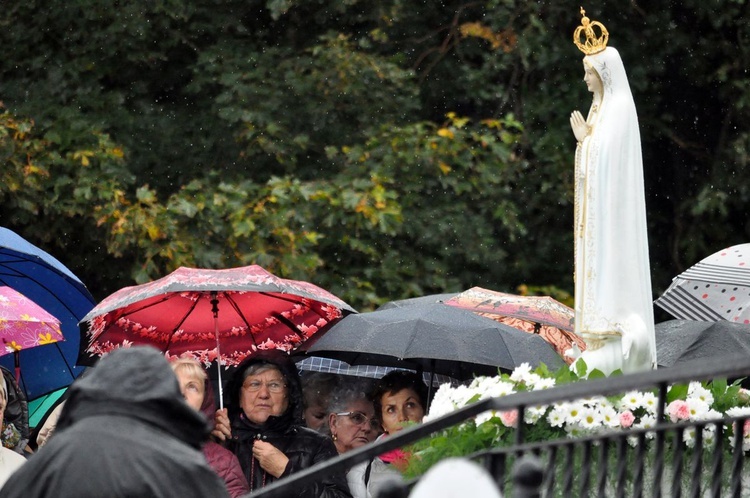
{"x":125,"y":431}
{"x":263,"y":426}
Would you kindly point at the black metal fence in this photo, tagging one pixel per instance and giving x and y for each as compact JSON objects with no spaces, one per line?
{"x":619,"y":463}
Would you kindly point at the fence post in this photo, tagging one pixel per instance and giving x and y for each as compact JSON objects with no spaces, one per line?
{"x":527,"y":477}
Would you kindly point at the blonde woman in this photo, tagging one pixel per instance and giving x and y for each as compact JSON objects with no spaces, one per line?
{"x":196,"y":389}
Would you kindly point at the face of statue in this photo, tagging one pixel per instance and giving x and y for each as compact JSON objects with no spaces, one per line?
{"x":592,"y":80}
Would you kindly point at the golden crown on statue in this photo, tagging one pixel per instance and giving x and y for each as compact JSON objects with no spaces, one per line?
{"x":593,"y":44}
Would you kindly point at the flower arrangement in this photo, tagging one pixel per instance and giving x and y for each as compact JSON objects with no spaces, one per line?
{"x":9,"y":435}
{"x":634,"y":410}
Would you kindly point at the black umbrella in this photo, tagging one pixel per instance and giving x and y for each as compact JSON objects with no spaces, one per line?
{"x":681,"y":341}
{"x":433,"y":338}
{"x":421,"y":300}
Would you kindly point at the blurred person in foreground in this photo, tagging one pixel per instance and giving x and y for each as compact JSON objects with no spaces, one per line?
{"x":262,"y":425}
{"x":197,"y":391}
{"x":125,"y":431}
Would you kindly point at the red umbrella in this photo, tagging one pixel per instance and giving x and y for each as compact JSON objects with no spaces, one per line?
{"x":223,"y":315}
{"x":541,"y":315}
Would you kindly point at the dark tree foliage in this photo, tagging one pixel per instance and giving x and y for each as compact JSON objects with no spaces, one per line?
{"x":380,"y":149}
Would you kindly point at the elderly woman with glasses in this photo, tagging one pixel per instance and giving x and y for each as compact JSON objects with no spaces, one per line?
{"x":352,"y":423}
{"x":263,"y":426}
{"x":351,"y":418}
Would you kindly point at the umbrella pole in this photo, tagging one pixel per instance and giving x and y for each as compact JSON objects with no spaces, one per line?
{"x":17,"y":364}
{"x":429,"y":386}
{"x":215,"y":310}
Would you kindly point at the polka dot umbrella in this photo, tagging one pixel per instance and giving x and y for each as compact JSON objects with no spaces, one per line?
{"x":716,"y":288}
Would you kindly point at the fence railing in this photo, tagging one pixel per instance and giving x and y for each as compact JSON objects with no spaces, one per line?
{"x":608,"y":464}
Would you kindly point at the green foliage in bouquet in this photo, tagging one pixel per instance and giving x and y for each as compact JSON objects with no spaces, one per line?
{"x":690,"y":403}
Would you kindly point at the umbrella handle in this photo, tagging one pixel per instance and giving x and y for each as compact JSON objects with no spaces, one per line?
{"x":215,"y":310}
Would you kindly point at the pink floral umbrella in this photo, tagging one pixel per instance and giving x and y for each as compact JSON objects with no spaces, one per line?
{"x":24,"y":324}
{"x":210,"y":315}
{"x":542,"y":315}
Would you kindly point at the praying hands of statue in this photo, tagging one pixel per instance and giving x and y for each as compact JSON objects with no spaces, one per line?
{"x":579,"y":126}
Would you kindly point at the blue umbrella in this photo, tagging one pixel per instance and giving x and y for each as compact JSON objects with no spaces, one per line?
{"x":46,"y":281}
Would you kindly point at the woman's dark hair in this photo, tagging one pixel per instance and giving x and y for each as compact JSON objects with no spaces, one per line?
{"x":267,"y":359}
{"x":317,"y":388}
{"x":395,"y":381}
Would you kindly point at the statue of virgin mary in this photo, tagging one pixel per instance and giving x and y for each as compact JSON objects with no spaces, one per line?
{"x":613,"y":302}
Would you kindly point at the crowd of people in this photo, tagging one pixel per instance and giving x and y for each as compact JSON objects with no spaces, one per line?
{"x":138,"y":425}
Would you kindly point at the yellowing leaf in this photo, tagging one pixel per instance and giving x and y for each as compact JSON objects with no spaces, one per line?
{"x":445,"y":133}
{"x":153,"y":232}
{"x":444,"y":168}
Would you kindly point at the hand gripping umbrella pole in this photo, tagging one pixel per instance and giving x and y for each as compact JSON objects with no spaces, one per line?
{"x":215,"y":310}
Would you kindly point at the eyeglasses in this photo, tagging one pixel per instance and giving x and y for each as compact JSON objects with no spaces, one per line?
{"x":359,"y":418}
{"x":274,"y":386}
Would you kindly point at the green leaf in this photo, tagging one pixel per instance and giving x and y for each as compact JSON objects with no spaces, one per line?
{"x":677,"y":391}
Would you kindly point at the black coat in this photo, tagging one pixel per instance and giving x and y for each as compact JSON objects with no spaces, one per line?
{"x":125,"y":431}
{"x":302,"y":446}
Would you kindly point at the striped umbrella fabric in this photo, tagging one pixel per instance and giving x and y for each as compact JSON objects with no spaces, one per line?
{"x":716,"y":288}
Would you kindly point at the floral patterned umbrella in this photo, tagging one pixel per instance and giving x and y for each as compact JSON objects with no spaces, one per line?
{"x":24,"y":324}
{"x":210,"y":315}
{"x":541,"y":315}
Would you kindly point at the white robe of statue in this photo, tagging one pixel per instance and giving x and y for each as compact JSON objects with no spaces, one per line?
{"x":613,"y":302}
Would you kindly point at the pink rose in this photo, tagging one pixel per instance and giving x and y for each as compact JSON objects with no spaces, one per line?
{"x":509,"y":418}
{"x":627,"y":418}
{"x":678,"y":410}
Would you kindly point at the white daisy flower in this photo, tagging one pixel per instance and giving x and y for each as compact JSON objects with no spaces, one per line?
{"x":521,"y":373}
{"x":650,"y":402}
{"x":738,"y":411}
{"x":543,"y":383}
{"x":696,"y":390}
{"x":610,"y":417}
{"x":572,"y":412}
{"x":590,"y":418}
{"x":533,"y":414}
{"x":698,"y":409}
{"x":485,"y":417}
{"x":556,"y":416}
{"x":646,"y":422}
{"x":632,"y":400}
{"x":688,"y":437}
{"x":709,"y":435}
